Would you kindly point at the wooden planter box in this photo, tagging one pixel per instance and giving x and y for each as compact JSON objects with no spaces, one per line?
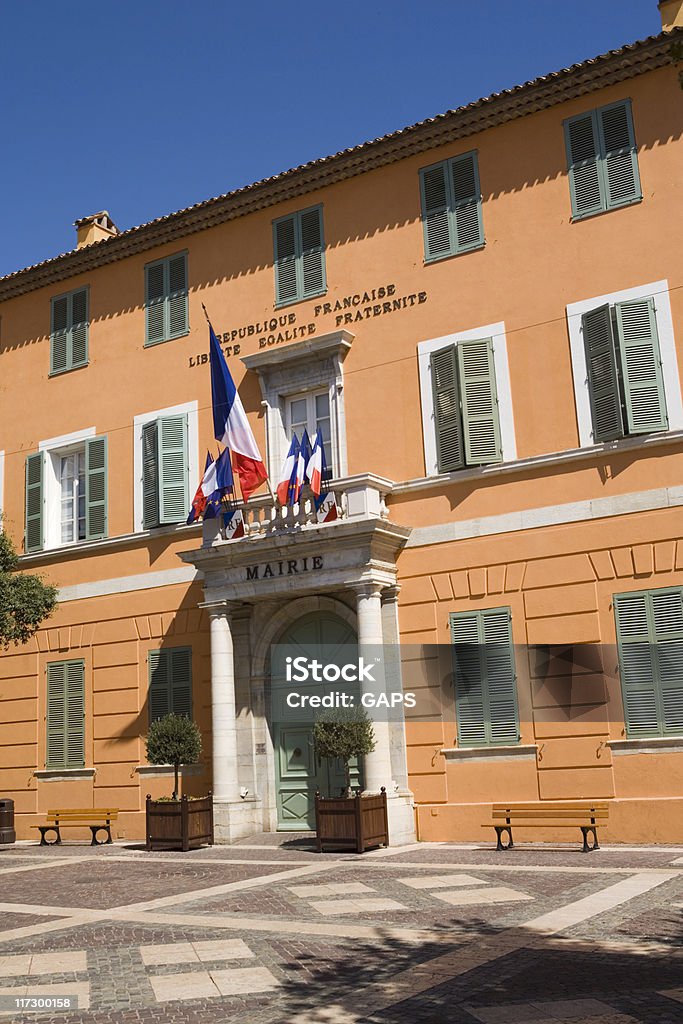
{"x":354,"y":823}
{"x":179,"y":824}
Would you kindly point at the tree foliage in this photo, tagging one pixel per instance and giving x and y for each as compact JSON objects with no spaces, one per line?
{"x":25,"y":599}
{"x":176,"y":740}
{"x":344,"y":733}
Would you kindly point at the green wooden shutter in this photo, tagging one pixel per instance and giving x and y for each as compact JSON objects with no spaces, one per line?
{"x":603,"y":384}
{"x":150,"y":475}
{"x":59,"y":332}
{"x":65,"y":746}
{"x":486,"y":692}
{"x":447,"y":419}
{"x":641,"y":366}
{"x":667,"y":619}
{"x":170,"y":682}
{"x":155,"y":302}
{"x":173,"y":469}
{"x":284,"y":234}
{"x":177,"y":296}
{"x":436,"y":221}
{"x":312,"y":251}
{"x":621,"y":178}
{"x":181,"y":680}
{"x":33,"y":539}
{"x":481,"y":425}
{"x":95,"y":488}
{"x":583,"y":158}
{"x":467,"y":231}
{"x":637,"y":664}
{"x":78,"y":328}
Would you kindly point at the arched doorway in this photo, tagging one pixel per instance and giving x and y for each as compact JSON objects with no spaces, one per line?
{"x":299,"y":772}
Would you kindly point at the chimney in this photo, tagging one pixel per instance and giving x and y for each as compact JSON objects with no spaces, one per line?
{"x":97,"y":227}
{"x":672,"y":14}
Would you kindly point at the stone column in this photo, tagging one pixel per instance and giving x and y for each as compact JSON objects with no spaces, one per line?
{"x":394,"y":681}
{"x":223,"y":725}
{"x":370,"y":642}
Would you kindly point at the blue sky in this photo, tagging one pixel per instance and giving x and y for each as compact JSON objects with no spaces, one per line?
{"x":144,"y":108}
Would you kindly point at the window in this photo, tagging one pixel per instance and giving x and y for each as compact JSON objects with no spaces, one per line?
{"x":65,"y":747}
{"x":66,"y":493}
{"x":310,"y":412}
{"x":451,"y":207}
{"x":650,"y":639}
{"x":69,"y":331}
{"x":165,"y":471}
{"x":625,"y":380}
{"x":166,"y":312}
{"x":170,"y":682}
{"x":465,"y":405}
{"x":299,"y":256}
{"x":485,"y":680}
{"x":602,"y":160}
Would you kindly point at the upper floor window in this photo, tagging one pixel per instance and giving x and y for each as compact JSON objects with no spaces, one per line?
{"x":624,"y":369}
{"x":485,"y":678}
{"x":299,"y":256}
{"x":602,"y":159}
{"x":650,"y":639}
{"x":166,"y":307}
{"x":69,"y":331}
{"x":165,"y":471}
{"x":466,"y":421}
{"x":170,"y":682}
{"x":65,"y":741}
{"x":310,"y":412}
{"x":66,"y":493}
{"x":451,"y":207}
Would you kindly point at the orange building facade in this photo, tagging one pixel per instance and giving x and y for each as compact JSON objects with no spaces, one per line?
{"x":483,"y":315}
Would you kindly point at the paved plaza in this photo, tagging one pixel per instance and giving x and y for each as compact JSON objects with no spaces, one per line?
{"x":270,"y":931}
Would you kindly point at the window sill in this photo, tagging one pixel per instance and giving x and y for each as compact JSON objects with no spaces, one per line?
{"x":153,"y":771}
{"x":164,"y":341}
{"x":64,"y":774}
{"x":517,"y":752}
{"x":428,"y":261}
{"x":299,"y":298}
{"x":653,"y":745}
{"x":67,"y":369}
{"x":576,"y":218}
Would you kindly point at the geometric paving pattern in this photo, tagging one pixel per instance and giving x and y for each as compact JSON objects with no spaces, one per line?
{"x":267,"y":932}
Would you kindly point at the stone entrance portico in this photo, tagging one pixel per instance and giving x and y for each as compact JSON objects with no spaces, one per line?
{"x":287,"y":567}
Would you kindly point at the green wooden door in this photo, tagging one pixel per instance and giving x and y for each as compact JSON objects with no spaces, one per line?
{"x":299,"y":772}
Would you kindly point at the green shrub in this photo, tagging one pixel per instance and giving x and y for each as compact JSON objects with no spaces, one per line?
{"x":344,"y":734}
{"x":176,"y":740}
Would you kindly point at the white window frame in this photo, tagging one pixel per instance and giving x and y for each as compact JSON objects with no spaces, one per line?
{"x":311,"y":395}
{"x":191,"y":410}
{"x":53,"y":449}
{"x":659,"y":291}
{"x":505,"y":414}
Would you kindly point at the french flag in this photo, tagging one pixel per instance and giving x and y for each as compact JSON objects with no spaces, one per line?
{"x":216,"y":483}
{"x":206,"y":487}
{"x":288,"y":488}
{"x":230,"y":423}
{"x":318,"y":475}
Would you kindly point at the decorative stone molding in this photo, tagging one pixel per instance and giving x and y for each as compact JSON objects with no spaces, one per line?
{"x":518,"y":752}
{"x":64,"y":774}
{"x":654,"y":745}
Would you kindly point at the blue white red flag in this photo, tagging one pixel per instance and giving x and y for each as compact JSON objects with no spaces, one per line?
{"x":199,"y":500}
{"x":288,"y":489}
{"x":230,"y":423}
{"x":215,"y":485}
{"x":318,"y":475}
{"x":233,"y":524}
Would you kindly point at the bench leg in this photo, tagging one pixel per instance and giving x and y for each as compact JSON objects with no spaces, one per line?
{"x":499,"y":833}
{"x":585,"y":829}
{"x":50,"y":828}
{"x":100,"y":828}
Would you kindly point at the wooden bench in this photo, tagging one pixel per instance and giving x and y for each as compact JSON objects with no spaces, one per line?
{"x":550,"y":814}
{"x":97,"y":819}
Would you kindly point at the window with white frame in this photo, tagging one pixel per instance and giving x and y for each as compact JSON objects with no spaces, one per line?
{"x":466,"y":402}
{"x":624,"y":364}
{"x":165,"y":465}
{"x":310,"y":412}
{"x":66,"y":491}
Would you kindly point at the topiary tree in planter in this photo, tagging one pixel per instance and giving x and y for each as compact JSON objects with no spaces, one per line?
{"x":176,"y":740}
{"x":344,"y":733}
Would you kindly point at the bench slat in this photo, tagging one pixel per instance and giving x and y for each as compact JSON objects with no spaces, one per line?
{"x":83,"y":810}
{"x":550,"y":805}
{"x":542,"y":815}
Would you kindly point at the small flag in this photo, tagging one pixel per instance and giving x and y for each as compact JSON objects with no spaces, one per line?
{"x":318,"y":476}
{"x":305,"y":455}
{"x":233,"y":524}
{"x":216,"y":483}
{"x":327,"y":510}
{"x":287,"y":489}
{"x":230,"y":423}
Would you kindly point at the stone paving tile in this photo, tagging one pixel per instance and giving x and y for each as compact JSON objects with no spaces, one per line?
{"x":115,"y":884}
{"x":548,"y":857}
{"x":469,"y":897}
{"x":324,"y":889}
{"x":356,"y":907}
{"x":442,"y":881}
{"x":60,"y":962}
{"x":652,"y":916}
{"x":10,"y":921}
{"x":195,"y":952}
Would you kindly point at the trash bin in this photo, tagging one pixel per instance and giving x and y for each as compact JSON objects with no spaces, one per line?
{"x":7,"y":833}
